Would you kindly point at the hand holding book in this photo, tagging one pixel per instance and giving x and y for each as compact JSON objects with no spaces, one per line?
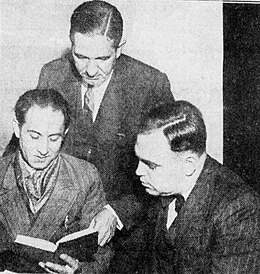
{"x":80,"y":245}
{"x":72,"y":266}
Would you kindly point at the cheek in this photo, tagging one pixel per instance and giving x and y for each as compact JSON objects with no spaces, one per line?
{"x":156,"y":179}
{"x":79,"y":64}
{"x":55,"y":148}
{"x":106,"y":67}
{"x":27,"y":146}
{"x":163,"y":180}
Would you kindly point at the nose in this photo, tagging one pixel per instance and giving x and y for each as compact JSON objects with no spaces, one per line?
{"x":91,"y":68}
{"x":43,"y":147}
{"x":140,"y":171}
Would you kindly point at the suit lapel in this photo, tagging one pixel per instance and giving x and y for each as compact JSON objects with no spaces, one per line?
{"x":72,"y":86}
{"x":72,"y":93}
{"x":193,"y":215}
{"x":108,"y":120}
{"x":12,"y":204}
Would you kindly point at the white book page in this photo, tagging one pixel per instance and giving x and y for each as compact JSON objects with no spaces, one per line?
{"x":36,"y":242}
{"x":11,"y":272}
{"x":76,"y":235}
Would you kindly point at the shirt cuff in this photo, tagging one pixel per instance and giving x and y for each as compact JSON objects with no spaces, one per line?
{"x":119,"y":223}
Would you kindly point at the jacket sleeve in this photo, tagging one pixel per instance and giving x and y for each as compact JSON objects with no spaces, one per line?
{"x":52,"y":75}
{"x":236,"y":246}
{"x":94,"y":202}
{"x":43,"y":78}
{"x":95,"y":195}
{"x":130,"y":208}
{"x":161,"y":93}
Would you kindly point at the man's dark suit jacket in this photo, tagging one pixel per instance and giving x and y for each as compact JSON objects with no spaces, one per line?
{"x":77,"y":196}
{"x":217,"y":230}
{"x":133,"y":88}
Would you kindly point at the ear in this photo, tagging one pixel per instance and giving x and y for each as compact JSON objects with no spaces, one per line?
{"x":16,"y":128}
{"x":190,"y":164}
{"x":120,"y":48}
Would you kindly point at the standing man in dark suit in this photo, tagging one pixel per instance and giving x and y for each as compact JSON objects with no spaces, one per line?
{"x":206,"y":219}
{"x":44,"y":193}
{"x":108,"y":93}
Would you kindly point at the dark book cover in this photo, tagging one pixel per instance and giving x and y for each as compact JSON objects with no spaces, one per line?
{"x":81,"y":248}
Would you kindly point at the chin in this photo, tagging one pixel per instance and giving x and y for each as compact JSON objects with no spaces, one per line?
{"x":94,"y":82}
{"x":39,"y":165}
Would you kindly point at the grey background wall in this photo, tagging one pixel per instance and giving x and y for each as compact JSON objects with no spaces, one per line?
{"x":182,"y":38}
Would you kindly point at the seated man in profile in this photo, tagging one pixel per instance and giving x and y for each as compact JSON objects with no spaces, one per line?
{"x":44,"y":193}
{"x":207,"y":220}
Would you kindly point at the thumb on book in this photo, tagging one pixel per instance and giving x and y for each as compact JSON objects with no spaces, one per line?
{"x":92,"y":224}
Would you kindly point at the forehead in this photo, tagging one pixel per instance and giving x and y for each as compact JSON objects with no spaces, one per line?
{"x":92,"y":44}
{"x":153,"y":147}
{"x":44,"y":118}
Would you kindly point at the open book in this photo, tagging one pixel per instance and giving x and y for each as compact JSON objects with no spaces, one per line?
{"x":80,"y":245}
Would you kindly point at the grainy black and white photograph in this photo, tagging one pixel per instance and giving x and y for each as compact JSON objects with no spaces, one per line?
{"x":129,"y":137}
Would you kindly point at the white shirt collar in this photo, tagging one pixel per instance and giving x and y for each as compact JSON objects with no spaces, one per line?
{"x":172,"y":214}
{"x":99,"y":93}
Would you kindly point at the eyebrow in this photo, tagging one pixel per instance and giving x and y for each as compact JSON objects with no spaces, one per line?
{"x":148,"y":163}
{"x":53,"y":134}
{"x":33,"y":131}
{"x":99,"y":57}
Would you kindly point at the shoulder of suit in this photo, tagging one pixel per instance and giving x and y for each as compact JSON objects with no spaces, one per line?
{"x":58,"y":64}
{"x":85,"y":173}
{"x":79,"y":164}
{"x":5,"y":162}
{"x":54,"y":73}
{"x":137,"y":66}
{"x":227,"y":184}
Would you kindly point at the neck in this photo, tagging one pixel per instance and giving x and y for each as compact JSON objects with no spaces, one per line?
{"x":24,"y":164}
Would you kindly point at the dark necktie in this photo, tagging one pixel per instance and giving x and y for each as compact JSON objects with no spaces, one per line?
{"x":179,"y":202}
{"x":33,"y":186}
{"x":88,"y":106}
{"x":166,"y":200}
{"x":161,"y":247}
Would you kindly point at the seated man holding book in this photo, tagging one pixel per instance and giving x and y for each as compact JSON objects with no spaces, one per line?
{"x":47,"y":194}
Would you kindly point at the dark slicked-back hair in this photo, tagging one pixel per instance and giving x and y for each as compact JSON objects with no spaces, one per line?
{"x":182,"y":124}
{"x":97,"y":17}
{"x":42,"y":98}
